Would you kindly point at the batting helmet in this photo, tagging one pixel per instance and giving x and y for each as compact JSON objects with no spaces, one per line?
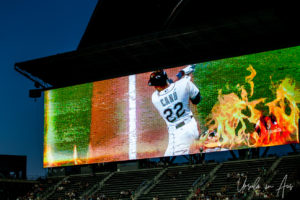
{"x":158,"y":78}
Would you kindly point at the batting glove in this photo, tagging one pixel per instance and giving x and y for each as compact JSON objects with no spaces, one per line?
{"x":189,"y":69}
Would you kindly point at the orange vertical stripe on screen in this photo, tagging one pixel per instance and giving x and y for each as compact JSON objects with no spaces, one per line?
{"x":109,"y":127}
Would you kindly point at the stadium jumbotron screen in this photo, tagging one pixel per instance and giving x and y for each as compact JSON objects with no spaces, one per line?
{"x":234,"y":103}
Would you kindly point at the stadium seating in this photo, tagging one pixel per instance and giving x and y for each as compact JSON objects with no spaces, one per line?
{"x":235,"y":169}
{"x":75,"y":185}
{"x":173,"y":182}
{"x":126,"y":182}
{"x":45,"y":186}
{"x":288,"y":167}
{"x":177,"y":181}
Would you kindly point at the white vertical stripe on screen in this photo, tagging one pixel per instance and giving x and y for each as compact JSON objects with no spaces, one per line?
{"x":132,"y":118}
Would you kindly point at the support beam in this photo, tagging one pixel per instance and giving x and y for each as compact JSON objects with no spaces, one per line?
{"x":172,"y":159}
{"x":293,"y":146}
{"x":265,"y":152}
{"x":233,"y":155}
{"x":201,"y":157}
{"x":196,"y":158}
{"x":187,"y":158}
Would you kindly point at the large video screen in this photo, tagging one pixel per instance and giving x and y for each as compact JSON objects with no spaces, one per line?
{"x":234,"y":103}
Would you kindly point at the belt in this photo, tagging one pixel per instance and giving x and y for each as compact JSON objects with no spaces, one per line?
{"x":181,"y":124}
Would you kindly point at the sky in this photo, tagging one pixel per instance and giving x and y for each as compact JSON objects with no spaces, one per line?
{"x":28,"y":30}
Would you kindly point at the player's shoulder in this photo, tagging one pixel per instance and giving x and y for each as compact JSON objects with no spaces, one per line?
{"x":155,"y":95}
{"x":183,"y":81}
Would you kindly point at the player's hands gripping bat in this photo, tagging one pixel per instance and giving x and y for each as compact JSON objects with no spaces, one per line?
{"x":186,"y":71}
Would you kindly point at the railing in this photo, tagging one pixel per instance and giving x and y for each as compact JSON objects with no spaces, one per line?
{"x":269,"y":174}
{"x":153,"y":182}
{"x":196,"y":181}
{"x":97,"y":186}
{"x":51,"y":190}
{"x":141,"y":188}
{"x":203,"y":180}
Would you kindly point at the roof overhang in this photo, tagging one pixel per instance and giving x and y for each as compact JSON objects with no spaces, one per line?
{"x":223,"y":36}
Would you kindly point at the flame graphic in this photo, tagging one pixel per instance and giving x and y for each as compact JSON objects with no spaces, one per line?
{"x":235,"y":122}
{"x":63,"y":160}
{"x":285,"y":114}
{"x":249,"y":78}
{"x":75,"y":156}
{"x":49,"y":157}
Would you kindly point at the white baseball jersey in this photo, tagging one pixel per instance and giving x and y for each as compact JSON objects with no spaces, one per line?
{"x":173,"y":102}
{"x":173,"y":105}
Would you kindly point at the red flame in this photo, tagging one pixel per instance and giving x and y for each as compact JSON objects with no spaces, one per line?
{"x":229,"y":127}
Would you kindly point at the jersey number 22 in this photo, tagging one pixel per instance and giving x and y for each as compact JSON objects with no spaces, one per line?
{"x":178,"y":109}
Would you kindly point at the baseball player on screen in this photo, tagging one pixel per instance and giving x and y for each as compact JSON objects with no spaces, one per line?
{"x":171,"y":99}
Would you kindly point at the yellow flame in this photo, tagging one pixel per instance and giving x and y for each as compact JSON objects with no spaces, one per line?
{"x":249,"y":78}
{"x":231,"y":115}
{"x":75,"y":155}
{"x":49,"y":156}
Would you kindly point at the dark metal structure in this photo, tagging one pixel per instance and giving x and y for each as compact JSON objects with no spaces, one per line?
{"x":134,"y":36}
{"x":12,"y":166}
